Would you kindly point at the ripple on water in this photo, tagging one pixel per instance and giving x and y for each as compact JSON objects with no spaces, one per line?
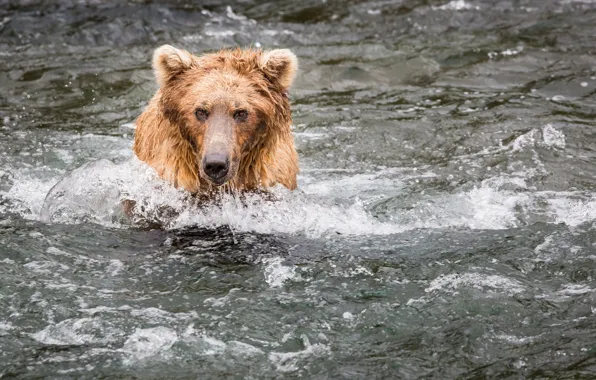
{"x":276,"y":273}
{"x":80,"y":331}
{"x":147,"y":343}
{"x":286,"y":362}
{"x":445,"y":213}
{"x":95,"y":191}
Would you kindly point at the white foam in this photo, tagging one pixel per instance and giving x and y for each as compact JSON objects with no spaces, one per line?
{"x":57,"y":252}
{"x":453,"y":282}
{"x":94,"y":192}
{"x":547,"y":137}
{"x":545,"y":245}
{"x":567,"y":291}
{"x":552,"y":137}
{"x":350,"y":186}
{"x":233,"y":15}
{"x":6,"y":326}
{"x":293,"y":213}
{"x":115,"y":267}
{"x":218,"y":302}
{"x":506,"y":52}
{"x":456,"y":5}
{"x":314,"y":212}
{"x":208,"y":345}
{"x":573,"y":212}
{"x":212,"y":346}
{"x":325,"y":205}
{"x":311,"y":135}
{"x":501,"y":202}
{"x":276,"y":273}
{"x":289,"y":361}
{"x":78,"y":331}
{"x":574,"y":289}
{"x":243,"y":349}
{"x":50,"y":268}
{"x":130,"y":125}
{"x":156,"y":315}
{"x":482,"y":207}
{"x":219,"y":33}
{"x":27,"y":195}
{"x":145,"y":343}
{"x":100,"y":309}
{"x":517,"y":340}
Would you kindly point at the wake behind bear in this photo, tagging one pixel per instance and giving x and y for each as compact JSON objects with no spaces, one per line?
{"x":218,"y":119}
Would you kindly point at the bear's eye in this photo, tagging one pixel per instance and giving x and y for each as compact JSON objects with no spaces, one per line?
{"x":201,"y":114}
{"x":241,"y":115}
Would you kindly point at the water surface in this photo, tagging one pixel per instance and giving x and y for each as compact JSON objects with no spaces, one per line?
{"x":444,"y":225}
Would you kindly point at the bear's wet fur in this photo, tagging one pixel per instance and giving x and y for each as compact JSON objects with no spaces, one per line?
{"x":220,"y":118}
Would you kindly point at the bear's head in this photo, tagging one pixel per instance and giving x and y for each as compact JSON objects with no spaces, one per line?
{"x":230,"y":106}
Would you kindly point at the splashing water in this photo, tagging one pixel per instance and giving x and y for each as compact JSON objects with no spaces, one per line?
{"x":445,"y":213}
{"x":96,"y":191}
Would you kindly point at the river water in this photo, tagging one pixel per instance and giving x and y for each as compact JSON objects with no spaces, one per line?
{"x":444,"y":225}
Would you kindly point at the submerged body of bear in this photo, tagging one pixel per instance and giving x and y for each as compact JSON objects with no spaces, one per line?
{"x":221,"y":118}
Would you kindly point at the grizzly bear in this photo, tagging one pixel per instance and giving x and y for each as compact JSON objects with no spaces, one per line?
{"x":220,"y":118}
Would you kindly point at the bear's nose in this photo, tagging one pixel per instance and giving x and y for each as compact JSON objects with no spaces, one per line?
{"x":216,"y":166}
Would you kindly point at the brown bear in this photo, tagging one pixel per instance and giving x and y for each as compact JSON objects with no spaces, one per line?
{"x":220,"y":118}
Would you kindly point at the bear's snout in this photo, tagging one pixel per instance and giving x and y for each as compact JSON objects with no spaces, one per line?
{"x":216,"y":166}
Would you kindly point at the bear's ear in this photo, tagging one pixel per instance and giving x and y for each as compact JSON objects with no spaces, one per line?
{"x":281,"y":65}
{"x":169,"y":62}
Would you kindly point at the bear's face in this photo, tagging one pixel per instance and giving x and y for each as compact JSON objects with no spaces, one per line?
{"x":226,"y":106}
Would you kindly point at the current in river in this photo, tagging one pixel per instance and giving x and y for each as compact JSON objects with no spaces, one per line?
{"x":443,"y":228}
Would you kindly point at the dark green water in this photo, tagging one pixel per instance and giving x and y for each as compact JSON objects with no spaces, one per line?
{"x":445,"y":222}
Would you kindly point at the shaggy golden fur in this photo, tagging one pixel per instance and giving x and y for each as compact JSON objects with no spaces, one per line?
{"x":242,"y":92}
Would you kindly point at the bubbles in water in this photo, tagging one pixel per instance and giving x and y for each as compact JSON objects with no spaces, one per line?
{"x":276,"y":273}
{"x":456,"y":5}
{"x":27,"y":195}
{"x":144,"y":343}
{"x":453,"y":282}
{"x":78,"y":332}
{"x":88,"y":194}
{"x":290,"y":361}
{"x":97,"y":192}
{"x":573,"y":212}
{"x":547,"y":136}
{"x":552,"y":137}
